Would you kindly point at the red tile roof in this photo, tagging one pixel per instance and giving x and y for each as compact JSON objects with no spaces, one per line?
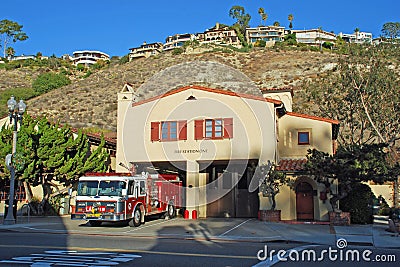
{"x":206,"y":89}
{"x":274,"y":90}
{"x":110,"y":138}
{"x":291,"y":164}
{"x":312,"y":117}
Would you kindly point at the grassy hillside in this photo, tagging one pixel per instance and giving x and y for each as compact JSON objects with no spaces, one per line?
{"x":92,"y":101}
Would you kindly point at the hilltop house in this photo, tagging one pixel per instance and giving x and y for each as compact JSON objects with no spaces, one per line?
{"x":145,"y":50}
{"x":177,"y":40}
{"x":269,"y":34}
{"x":88,"y":57}
{"x":315,"y":37}
{"x":220,"y":34}
{"x":357,"y":37}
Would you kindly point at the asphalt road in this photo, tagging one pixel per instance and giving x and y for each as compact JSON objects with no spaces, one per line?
{"x":59,"y":241}
{"x":32,"y":249}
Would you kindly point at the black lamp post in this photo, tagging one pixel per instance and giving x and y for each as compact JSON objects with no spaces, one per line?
{"x":16,"y":110}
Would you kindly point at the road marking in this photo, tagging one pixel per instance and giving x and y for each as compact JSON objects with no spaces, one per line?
{"x":72,"y":258}
{"x":235,"y":227}
{"x":133,"y":251}
{"x":149,"y":225}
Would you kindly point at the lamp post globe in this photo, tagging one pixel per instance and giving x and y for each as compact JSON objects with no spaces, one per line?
{"x":16,"y":110}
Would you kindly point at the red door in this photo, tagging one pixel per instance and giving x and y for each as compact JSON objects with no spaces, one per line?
{"x":304,"y":201}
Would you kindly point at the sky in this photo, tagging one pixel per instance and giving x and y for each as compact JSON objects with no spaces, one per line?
{"x":114,"y":26}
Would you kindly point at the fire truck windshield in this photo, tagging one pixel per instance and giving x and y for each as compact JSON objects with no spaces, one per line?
{"x":88,"y":188}
{"x":111,"y":188}
{"x":102,"y":188}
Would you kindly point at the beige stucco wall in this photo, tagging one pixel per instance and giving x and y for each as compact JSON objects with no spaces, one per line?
{"x":289,"y":126}
{"x":286,"y":200}
{"x":386,"y":191}
{"x":253,"y":128}
{"x":288,"y":147}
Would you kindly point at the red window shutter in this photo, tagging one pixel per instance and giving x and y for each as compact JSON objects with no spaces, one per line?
{"x":155,"y":131}
{"x":182,"y":130}
{"x":198,"y":129}
{"x":228,"y":128}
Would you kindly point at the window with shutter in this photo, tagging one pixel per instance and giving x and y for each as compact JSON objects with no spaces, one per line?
{"x":228,"y":128}
{"x":155,"y":131}
{"x":198,"y":129}
{"x":182,"y":130}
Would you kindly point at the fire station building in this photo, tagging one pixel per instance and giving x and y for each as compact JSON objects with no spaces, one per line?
{"x":212,"y":125}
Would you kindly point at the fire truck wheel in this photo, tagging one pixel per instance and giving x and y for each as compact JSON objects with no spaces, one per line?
{"x":137,"y":217}
{"x":95,"y":223}
{"x":171,"y":211}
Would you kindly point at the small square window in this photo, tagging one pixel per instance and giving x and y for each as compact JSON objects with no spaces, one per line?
{"x":304,"y":138}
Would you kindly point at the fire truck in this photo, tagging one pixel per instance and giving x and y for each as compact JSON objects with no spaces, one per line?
{"x":110,"y":197}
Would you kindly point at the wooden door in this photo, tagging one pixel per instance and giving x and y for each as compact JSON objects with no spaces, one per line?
{"x":304,"y":201}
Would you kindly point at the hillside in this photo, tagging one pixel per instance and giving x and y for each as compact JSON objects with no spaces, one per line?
{"x":92,"y":102}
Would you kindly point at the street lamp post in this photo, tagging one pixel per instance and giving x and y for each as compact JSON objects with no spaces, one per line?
{"x":16,"y":110}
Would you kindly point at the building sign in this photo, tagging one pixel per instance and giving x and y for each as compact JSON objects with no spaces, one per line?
{"x":191,"y":151}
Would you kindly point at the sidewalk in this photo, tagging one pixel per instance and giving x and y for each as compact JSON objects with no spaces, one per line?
{"x":238,"y":229}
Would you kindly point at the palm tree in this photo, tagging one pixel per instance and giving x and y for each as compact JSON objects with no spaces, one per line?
{"x":10,"y":52}
{"x":290,"y":18}
{"x":264,"y":17}
{"x":277,"y":24}
{"x":261,"y":12}
{"x":356,"y":31}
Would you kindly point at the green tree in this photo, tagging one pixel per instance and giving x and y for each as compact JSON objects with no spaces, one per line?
{"x":357,"y":32}
{"x":10,"y":52}
{"x":242,"y":18}
{"x":358,"y":203}
{"x":10,"y":31}
{"x":391,"y":30}
{"x":290,"y":39}
{"x":271,"y":180}
{"x":49,"y":81}
{"x":327,"y":45}
{"x":290,"y":19}
{"x":362,"y":92}
{"x":350,"y":166}
{"x":276,"y":24}
{"x":52,"y":156}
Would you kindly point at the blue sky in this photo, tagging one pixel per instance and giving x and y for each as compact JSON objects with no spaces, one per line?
{"x":114,"y":26}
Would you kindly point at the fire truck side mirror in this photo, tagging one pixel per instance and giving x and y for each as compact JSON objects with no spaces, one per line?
{"x":124,"y":192}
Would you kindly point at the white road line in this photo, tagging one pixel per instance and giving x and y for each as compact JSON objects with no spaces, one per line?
{"x":149,"y":225}
{"x":235,"y":227}
{"x":73,"y":258}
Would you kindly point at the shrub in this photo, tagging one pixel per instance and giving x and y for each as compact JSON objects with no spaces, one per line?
{"x":359,"y":204}
{"x":177,"y":51}
{"x":124,"y":59}
{"x":260,"y":43}
{"x":327,"y":45}
{"x":80,"y":67}
{"x":290,"y":39}
{"x":49,"y":81}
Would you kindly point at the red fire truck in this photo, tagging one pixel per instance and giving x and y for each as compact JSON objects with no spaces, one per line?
{"x":110,"y":197}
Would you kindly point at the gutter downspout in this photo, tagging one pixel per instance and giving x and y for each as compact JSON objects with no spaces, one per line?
{"x":276,"y":131}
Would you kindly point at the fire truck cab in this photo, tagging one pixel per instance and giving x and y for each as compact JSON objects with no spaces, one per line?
{"x":114,"y":197}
